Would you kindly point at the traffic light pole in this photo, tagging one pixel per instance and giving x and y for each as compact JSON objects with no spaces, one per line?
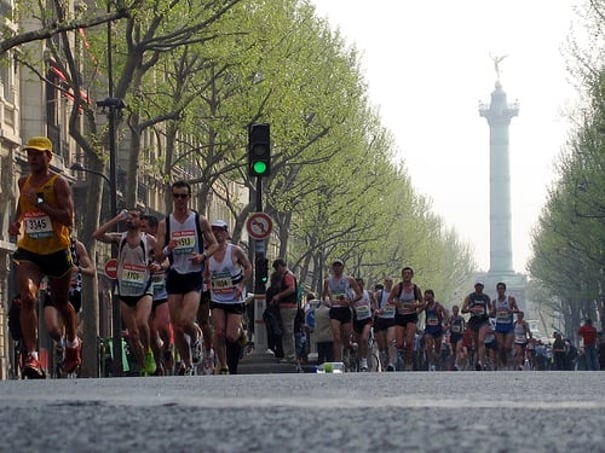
{"x":260,"y":291}
{"x":113,"y":105}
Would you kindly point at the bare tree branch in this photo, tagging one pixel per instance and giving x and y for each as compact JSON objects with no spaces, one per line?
{"x":54,"y":29}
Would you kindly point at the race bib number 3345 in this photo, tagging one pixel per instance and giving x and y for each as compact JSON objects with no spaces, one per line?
{"x":38,"y":225}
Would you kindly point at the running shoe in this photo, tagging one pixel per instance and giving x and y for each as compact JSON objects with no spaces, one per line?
{"x":73,"y":358}
{"x":32,"y":368}
{"x":189,"y":371}
{"x":149,"y":365}
{"x":208,"y":363}
{"x":390,"y":367}
{"x":478,"y":366}
{"x":224,"y":371}
{"x":196,"y":351}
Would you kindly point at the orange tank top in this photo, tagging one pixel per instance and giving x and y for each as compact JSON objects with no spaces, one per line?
{"x":42,"y":234}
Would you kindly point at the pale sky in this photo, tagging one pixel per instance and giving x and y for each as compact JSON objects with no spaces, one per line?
{"x":427,"y":64}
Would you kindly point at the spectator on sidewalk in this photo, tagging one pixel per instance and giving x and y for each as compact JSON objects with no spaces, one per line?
{"x":324,"y":340}
{"x":558,"y":350}
{"x":285,"y":298}
{"x":588,"y":332}
{"x":272,"y":318}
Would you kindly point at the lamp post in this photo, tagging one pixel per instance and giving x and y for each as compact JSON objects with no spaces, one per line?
{"x":77,"y":166}
{"x":116,"y":315}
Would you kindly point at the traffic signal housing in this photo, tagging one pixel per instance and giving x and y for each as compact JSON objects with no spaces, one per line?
{"x":259,"y":149}
{"x":262,"y":270}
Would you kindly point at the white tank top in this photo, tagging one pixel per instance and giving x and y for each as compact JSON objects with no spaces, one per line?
{"x":340,"y":291}
{"x":408,"y":299}
{"x":363,"y":306}
{"x":225,"y":275}
{"x":133,"y":273}
{"x":186,"y":237}
{"x":504,"y":315}
{"x":387,"y":311}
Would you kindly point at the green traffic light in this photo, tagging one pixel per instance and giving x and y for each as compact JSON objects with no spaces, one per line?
{"x":259,"y":167}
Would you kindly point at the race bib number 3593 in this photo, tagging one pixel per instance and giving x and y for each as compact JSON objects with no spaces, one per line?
{"x":185,"y":241}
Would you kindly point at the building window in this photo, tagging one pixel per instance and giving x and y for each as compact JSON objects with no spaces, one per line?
{"x":7,"y":77}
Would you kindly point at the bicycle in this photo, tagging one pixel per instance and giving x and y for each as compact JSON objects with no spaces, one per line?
{"x":374,"y":362}
{"x":351,"y":359}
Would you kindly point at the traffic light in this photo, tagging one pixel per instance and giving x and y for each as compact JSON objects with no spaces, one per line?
{"x":262,"y":270}
{"x":259,"y":149}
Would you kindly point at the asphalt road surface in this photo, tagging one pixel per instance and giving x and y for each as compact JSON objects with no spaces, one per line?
{"x":433,"y":412}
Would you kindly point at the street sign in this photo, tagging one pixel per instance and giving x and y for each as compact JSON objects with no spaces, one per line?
{"x":111,"y":268}
{"x":259,"y":225}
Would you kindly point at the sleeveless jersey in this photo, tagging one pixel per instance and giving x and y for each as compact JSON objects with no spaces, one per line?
{"x":433,"y":317}
{"x":42,"y":235}
{"x":158,"y":283}
{"x":456,"y":324}
{"x":186,"y":236}
{"x":225,"y":275}
{"x":340,"y":291}
{"x":133,"y":272}
{"x":504,"y":315}
{"x":408,"y":298}
{"x":520,"y":333}
{"x":479,"y":300}
{"x":387,"y":311}
{"x":363,"y":306}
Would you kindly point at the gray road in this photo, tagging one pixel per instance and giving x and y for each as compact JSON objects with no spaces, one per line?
{"x":512,"y":411}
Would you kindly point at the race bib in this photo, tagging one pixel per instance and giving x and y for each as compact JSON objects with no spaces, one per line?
{"x":338,"y":298}
{"x":456,"y":328}
{"x":388,"y":310}
{"x":222,"y":283}
{"x":362,"y":311}
{"x":185,"y":242}
{"x":503,"y":316}
{"x":432,"y":321}
{"x":408,"y":307}
{"x":38,"y":225}
{"x":133,"y":276}
{"x":475,"y":313}
{"x":158,"y":281}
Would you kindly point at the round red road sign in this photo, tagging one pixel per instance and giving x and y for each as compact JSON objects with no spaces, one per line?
{"x":111,"y":268}
{"x":259,"y":225}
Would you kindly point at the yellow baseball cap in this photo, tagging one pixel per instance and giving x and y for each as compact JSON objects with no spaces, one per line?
{"x":39,"y":144}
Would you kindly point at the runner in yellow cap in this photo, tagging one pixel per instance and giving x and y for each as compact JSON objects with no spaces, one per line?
{"x":44,"y":217}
